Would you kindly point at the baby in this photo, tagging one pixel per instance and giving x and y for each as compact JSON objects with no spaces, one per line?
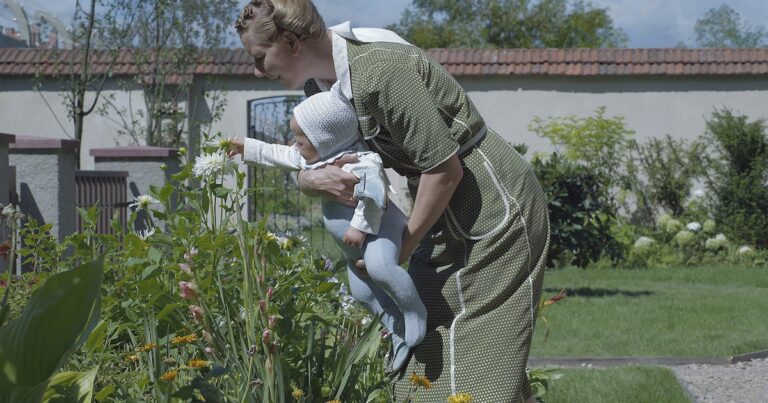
{"x":325,"y":129}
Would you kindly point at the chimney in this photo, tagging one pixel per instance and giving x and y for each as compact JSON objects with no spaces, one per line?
{"x":53,"y":40}
{"x":34,"y":36}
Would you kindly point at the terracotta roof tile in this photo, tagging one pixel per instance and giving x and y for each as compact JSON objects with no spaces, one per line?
{"x":568,"y":62}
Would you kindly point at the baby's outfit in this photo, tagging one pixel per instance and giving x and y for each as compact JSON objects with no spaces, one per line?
{"x":330,"y":124}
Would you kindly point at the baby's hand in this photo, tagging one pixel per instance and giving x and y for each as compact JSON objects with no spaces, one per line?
{"x":236,"y":147}
{"x":354,"y":237}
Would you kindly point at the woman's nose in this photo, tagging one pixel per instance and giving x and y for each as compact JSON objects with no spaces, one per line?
{"x":258,"y":73}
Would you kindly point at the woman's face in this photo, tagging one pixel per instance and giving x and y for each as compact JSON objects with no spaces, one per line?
{"x":276,"y":61}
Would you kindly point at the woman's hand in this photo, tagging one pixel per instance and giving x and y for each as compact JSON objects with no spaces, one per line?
{"x":236,"y":146}
{"x":436,"y":188}
{"x":331,"y":182}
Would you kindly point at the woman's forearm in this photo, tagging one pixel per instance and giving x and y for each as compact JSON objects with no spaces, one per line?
{"x":436,"y":188}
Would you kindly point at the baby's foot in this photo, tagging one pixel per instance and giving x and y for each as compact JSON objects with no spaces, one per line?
{"x":398,"y":355}
{"x":415,"y":325}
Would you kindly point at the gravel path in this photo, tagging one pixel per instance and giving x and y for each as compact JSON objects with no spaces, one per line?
{"x":744,"y":382}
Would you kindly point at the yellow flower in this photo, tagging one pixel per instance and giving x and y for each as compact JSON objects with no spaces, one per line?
{"x":418,"y":380}
{"x":132,"y":358}
{"x":460,"y":398}
{"x":297,"y":394}
{"x":190,"y":338}
{"x":198,"y":363}
{"x":334,"y":401}
{"x":147,"y":347}
{"x":169,"y":376}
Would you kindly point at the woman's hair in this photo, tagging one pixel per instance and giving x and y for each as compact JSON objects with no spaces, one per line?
{"x":268,"y":18}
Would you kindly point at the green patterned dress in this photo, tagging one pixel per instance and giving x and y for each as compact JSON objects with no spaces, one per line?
{"x":479,"y":270}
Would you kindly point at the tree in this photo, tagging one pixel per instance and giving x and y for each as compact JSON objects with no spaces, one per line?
{"x":508,"y":24}
{"x":83,"y":78}
{"x":722,"y":27}
{"x":168,"y":39}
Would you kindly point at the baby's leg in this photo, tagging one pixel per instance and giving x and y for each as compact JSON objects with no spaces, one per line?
{"x":377,"y":301}
{"x":363,"y":289}
{"x":381,"y":254}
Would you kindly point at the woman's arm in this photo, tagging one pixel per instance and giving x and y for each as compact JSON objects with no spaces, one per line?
{"x":331,"y":182}
{"x":436,"y":188}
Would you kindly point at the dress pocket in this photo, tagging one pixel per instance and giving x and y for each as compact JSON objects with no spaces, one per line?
{"x":481,"y":205}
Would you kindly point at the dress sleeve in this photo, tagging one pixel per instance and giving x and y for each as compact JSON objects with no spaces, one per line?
{"x":399,"y":100}
{"x":271,"y":155}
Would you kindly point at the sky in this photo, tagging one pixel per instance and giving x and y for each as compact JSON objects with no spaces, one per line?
{"x":648,"y":23}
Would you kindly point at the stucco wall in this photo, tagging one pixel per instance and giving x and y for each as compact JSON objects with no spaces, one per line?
{"x":4,"y":173}
{"x":45,"y":184}
{"x":652,"y":106}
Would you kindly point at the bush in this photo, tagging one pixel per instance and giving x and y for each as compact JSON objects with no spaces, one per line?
{"x":737,"y":176}
{"x":669,"y":167}
{"x":580,"y":212}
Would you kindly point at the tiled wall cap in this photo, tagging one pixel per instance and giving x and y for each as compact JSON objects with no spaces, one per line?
{"x":32,"y":143}
{"x":134,"y":152}
{"x":7,"y":138}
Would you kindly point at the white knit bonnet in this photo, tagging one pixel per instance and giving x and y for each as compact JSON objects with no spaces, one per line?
{"x":329,"y":121}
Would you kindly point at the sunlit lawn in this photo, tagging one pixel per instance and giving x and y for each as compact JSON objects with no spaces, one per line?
{"x":620,"y":384}
{"x":704,"y":311}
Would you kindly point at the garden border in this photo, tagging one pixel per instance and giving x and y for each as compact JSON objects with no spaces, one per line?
{"x":661,"y":361}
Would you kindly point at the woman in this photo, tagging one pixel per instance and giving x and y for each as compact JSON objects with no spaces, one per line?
{"x":478,"y":233}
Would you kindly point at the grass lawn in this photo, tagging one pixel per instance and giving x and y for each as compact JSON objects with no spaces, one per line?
{"x":618,"y":384}
{"x":703,"y":311}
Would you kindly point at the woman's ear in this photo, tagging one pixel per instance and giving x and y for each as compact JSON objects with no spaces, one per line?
{"x":294,"y":44}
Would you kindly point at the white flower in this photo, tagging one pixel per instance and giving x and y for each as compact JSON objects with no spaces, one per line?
{"x":673,"y":226}
{"x":208,"y":165}
{"x":716,"y":243}
{"x":189,"y":255}
{"x":12,"y":213}
{"x":144,"y":234}
{"x":643,"y":243}
{"x":365,"y":321}
{"x":693,"y":226}
{"x":745,"y":250}
{"x":684,"y":238}
{"x":284,"y":242}
{"x":143,"y":202}
{"x":698,"y":193}
{"x":710,"y":227}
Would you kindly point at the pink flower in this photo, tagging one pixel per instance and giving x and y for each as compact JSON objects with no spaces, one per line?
{"x":269,"y":293}
{"x":210,"y":350}
{"x":265,"y":336}
{"x":207,"y":336}
{"x":185,"y":268}
{"x":273,"y":347}
{"x":189,"y":255}
{"x":272,"y":320}
{"x":187,"y":290}
{"x":197,"y":313}
{"x":262,"y":305}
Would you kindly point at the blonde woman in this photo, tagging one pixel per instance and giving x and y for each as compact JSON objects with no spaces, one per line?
{"x":478,"y":234}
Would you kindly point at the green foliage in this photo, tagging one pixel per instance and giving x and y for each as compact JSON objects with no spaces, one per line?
{"x":508,"y":24}
{"x":580,"y":212}
{"x":722,"y":27}
{"x":667,"y":170}
{"x":582,"y":184}
{"x":737,"y":175}
{"x":58,"y":317}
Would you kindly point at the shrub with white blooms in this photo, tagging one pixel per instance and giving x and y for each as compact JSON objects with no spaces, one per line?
{"x":745,"y":251}
{"x":716,"y":243}
{"x":643,"y":243}
{"x":693,"y":226}
{"x":684,"y":238}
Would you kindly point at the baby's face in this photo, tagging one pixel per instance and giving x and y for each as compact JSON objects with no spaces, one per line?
{"x":306,"y":149}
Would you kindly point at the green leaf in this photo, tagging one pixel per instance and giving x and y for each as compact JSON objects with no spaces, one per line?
{"x":105,"y":392}
{"x":59,"y":317}
{"x":71,"y":387}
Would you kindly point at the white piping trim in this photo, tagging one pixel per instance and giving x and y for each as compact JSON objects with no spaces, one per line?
{"x":452,"y":333}
{"x":382,"y":49}
{"x":502,"y":193}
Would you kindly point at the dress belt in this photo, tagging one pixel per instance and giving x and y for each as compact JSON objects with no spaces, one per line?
{"x":474,"y":140}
